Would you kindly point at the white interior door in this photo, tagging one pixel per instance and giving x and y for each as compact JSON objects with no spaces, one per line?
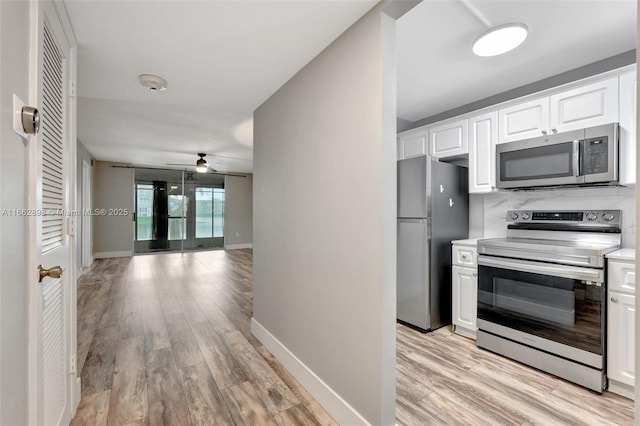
{"x":52,"y":297}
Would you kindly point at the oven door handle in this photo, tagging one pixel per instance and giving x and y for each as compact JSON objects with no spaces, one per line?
{"x":564,"y":271}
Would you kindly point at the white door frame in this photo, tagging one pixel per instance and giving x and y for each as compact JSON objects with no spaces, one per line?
{"x":57,"y":12}
{"x":87,"y":237}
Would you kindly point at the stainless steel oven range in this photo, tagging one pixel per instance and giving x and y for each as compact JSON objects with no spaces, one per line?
{"x":542,"y":291}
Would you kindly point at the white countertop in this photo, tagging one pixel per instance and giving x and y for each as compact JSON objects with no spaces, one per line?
{"x":469,"y":242}
{"x":623,"y":254}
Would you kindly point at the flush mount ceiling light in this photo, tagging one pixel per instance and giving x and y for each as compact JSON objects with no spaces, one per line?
{"x":496,"y":40}
{"x":501,"y":39}
{"x":153,"y":82}
{"x":201,"y":164}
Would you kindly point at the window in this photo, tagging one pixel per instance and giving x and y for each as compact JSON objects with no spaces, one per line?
{"x":177,"y":217}
{"x":144,"y":212}
{"x":209,"y":212}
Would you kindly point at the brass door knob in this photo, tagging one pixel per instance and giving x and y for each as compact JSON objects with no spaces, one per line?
{"x":55,"y":272}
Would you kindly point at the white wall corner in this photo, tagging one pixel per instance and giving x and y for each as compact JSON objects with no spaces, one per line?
{"x":338,"y":408}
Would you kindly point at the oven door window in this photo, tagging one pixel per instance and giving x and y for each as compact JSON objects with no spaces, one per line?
{"x":563,"y":310}
{"x":538,"y":163}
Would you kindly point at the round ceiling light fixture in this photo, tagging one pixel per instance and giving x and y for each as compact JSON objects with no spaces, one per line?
{"x":201,"y":164}
{"x":153,"y":82}
{"x":501,"y":39}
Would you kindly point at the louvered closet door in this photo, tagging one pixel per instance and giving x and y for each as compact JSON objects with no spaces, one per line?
{"x":52,"y":372}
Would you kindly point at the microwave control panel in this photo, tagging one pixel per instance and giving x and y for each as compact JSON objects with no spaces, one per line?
{"x":595,"y":156}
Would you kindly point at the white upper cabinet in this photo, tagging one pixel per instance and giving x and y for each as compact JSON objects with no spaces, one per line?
{"x":628,"y":108}
{"x":412,"y":145}
{"x":525,"y":120}
{"x":483,"y":136}
{"x":449,"y":138}
{"x":585,"y":106}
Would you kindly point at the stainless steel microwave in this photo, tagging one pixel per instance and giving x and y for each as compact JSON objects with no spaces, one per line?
{"x":579,"y":157}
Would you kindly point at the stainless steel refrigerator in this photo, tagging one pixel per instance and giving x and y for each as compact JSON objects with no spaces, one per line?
{"x":433,"y":210}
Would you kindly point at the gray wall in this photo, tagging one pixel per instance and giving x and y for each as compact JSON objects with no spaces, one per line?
{"x":113,"y":189}
{"x":83,"y":155}
{"x":324,"y":216}
{"x":14,"y":57}
{"x":238,"y":192}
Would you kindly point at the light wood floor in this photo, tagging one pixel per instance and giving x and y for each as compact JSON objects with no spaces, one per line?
{"x":164,"y":339}
{"x":443,"y":378}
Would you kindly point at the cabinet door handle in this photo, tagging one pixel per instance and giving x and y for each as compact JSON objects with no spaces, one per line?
{"x":614,"y":299}
{"x":475,"y":274}
{"x":544,"y":132}
{"x":554,"y":130}
{"x":464,"y":256}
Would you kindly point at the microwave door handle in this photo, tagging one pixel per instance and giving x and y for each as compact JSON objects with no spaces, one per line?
{"x":576,"y":157}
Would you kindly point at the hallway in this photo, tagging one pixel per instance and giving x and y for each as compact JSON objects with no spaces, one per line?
{"x":165,"y":339}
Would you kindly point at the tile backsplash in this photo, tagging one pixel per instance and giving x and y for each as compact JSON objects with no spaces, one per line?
{"x":492,"y":208}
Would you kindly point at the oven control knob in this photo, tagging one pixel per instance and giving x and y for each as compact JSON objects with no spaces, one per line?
{"x":525,"y":216}
{"x":592,"y":216}
{"x":607,"y":216}
{"x":514,"y":216}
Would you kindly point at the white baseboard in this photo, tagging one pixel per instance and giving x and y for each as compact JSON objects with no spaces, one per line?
{"x":339,"y":409}
{"x":108,"y":254}
{"x":238,"y":246}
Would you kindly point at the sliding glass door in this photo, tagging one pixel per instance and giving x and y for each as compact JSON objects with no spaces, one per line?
{"x":178,"y":210}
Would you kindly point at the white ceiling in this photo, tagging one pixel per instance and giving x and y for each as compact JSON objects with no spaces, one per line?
{"x":222,"y":59}
{"x":437,"y":70}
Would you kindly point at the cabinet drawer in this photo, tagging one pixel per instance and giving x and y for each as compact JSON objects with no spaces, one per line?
{"x":465,"y":256}
{"x":622,"y":277}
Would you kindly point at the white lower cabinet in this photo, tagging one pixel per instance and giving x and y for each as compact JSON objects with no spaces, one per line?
{"x":464,"y":289}
{"x":621,"y":319}
{"x":463,"y":294}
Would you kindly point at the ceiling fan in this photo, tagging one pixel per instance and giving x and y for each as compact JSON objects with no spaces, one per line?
{"x":201,"y":164}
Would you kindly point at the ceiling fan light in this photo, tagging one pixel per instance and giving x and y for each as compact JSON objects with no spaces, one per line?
{"x":501,"y":39}
{"x":201,"y":165}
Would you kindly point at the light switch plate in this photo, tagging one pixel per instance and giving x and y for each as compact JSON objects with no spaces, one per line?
{"x":17,"y":116}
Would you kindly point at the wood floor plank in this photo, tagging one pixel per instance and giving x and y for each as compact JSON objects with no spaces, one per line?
{"x":167,"y":402}
{"x":408,"y":414}
{"x":275,"y":394}
{"x":98,"y":369}
{"x":131,"y":322}
{"x":183,"y":343}
{"x":224,"y":368}
{"x":320,"y":413}
{"x":156,"y":335}
{"x":297,"y":389}
{"x":245,"y":406}
{"x":608,"y":405}
{"x":85,"y":335}
{"x":206,"y":404}
{"x":192,"y":311}
{"x":410,"y":387}
{"x":296,"y":415}
{"x":129,"y":391}
{"x":93,"y":409}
